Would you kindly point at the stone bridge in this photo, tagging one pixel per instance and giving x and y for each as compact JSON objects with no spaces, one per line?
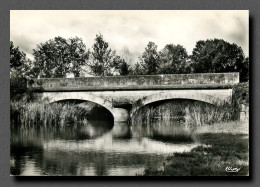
{"x":123,"y":95}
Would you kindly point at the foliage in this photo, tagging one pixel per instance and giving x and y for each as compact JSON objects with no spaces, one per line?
{"x":17,"y":57}
{"x":119,"y":66}
{"x":241,"y":93}
{"x":45,"y":114}
{"x":18,"y":70}
{"x":104,"y":59}
{"x":126,"y":55}
{"x":191,"y":113}
{"x":244,"y":70}
{"x":58,"y":114}
{"x":150,"y":59}
{"x":18,"y":86}
{"x":173,"y":60}
{"x":58,"y":57}
{"x":124,"y":68}
{"x":240,"y":97}
{"x":138,"y":69}
{"x":216,"y":56}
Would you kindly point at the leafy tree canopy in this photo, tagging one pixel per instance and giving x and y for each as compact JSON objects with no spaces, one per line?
{"x":124,"y":68}
{"x":150,"y":59}
{"x":58,"y":57}
{"x":18,"y":64}
{"x":218,"y":56}
{"x":173,"y":59}
{"x":17,"y":57}
{"x":103,"y":59}
{"x":137,"y":69}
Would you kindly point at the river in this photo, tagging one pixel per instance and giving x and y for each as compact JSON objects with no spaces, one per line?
{"x":97,"y":148}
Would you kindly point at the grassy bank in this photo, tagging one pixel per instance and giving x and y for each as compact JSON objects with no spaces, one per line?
{"x":54,"y":114}
{"x":227,"y":145}
{"x":226,"y":150}
{"x":232,"y":127}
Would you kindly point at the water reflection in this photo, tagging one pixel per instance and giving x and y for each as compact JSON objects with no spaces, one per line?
{"x":166,"y":131}
{"x":95,"y":148}
{"x":93,"y":129}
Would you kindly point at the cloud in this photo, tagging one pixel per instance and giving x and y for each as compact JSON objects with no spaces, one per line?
{"x":129,"y":29}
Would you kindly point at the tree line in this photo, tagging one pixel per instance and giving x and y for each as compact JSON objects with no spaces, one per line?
{"x":60,"y":57}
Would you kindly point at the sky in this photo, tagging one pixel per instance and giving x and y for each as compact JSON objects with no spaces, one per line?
{"x":132,"y":30}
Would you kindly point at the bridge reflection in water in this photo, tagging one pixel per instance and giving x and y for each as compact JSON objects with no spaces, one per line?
{"x":96,"y":148}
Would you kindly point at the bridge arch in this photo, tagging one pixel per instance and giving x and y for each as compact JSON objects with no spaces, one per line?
{"x":54,"y":97}
{"x":119,"y":114}
{"x":175,"y":95}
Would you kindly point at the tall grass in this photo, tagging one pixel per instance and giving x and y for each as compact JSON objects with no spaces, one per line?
{"x":45,"y":114}
{"x":191,"y":113}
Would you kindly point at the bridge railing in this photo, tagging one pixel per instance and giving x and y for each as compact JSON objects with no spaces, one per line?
{"x":136,"y":82}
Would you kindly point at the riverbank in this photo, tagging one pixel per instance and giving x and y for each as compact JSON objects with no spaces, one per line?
{"x":227,"y":145}
{"x":233,"y":127}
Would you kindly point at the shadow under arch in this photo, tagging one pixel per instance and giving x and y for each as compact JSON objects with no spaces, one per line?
{"x":59,"y":97}
{"x":56,"y":97}
{"x":175,"y":95}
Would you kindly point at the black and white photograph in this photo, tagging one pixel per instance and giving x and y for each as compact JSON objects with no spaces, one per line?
{"x":129,"y":93}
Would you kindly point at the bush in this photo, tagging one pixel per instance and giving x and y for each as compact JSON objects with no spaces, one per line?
{"x":18,"y":86}
{"x":240,"y":97}
{"x":241,"y":94}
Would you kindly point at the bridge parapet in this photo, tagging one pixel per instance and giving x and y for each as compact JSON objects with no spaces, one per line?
{"x":137,"y":82}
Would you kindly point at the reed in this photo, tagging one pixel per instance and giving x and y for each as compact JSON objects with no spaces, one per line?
{"x":45,"y":114}
{"x":191,"y":113}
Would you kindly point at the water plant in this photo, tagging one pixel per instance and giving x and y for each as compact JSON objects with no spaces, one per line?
{"x":188,"y":112}
{"x":45,"y":114}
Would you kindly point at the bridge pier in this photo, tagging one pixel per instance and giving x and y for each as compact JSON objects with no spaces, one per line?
{"x":120,"y":115}
{"x":116,"y":93}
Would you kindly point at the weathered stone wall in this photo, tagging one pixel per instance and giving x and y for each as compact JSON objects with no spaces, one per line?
{"x":114,"y":93}
{"x":170,"y":81}
{"x":115,"y":101}
{"x":129,"y":96}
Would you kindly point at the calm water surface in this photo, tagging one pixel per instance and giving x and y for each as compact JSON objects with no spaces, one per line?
{"x":96,"y":148}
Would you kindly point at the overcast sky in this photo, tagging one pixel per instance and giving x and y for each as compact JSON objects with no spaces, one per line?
{"x":129,"y":29}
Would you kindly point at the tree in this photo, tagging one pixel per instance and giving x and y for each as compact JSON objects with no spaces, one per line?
{"x":103,"y":58}
{"x":150,"y":59}
{"x":126,"y":55}
{"x":138,"y":69}
{"x":58,"y":57}
{"x":173,"y":59}
{"x":18,"y":85}
{"x":17,"y":57}
{"x":244,"y":70}
{"x":218,"y":56}
{"x":124,"y":68}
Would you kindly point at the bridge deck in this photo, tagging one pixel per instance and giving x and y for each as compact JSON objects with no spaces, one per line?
{"x":137,"y":82}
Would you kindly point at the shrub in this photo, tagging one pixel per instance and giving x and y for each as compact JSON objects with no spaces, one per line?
{"x":18,"y":86}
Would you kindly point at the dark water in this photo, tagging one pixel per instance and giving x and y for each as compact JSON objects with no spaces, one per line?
{"x":96,"y":148}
